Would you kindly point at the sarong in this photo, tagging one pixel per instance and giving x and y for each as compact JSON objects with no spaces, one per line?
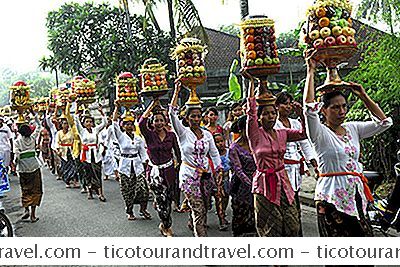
{"x":31,"y":188}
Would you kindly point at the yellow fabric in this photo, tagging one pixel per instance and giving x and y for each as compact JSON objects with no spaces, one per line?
{"x":64,"y":138}
{"x":77,"y":144}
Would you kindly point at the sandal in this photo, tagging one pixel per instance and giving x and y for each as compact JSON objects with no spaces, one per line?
{"x":33,"y":220}
{"x":25,"y":216}
{"x":131,"y":217}
{"x":102,"y":199}
{"x":145,"y":214}
{"x":90,"y":196}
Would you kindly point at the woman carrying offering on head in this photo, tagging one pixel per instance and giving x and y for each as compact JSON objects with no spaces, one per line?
{"x":196,"y":179}
{"x":341,"y":193}
{"x":275,"y":210}
{"x":132,"y":166}
{"x":90,"y":169}
{"x":161,"y":144}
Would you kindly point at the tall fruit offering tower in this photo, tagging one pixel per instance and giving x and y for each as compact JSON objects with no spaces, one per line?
{"x":259,"y":54}
{"x":330,"y":39}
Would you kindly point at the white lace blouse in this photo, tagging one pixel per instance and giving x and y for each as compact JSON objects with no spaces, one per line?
{"x":340,"y":154}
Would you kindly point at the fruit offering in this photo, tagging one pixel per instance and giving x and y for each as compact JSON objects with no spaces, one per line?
{"x":257,"y":46}
{"x":153,"y":76}
{"x":20,"y":92}
{"x":189,"y":55}
{"x":126,"y":90}
{"x":83,"y":89}
{"x":43,"y":104}
{"x":63,"y":96}
{"x":329,"y":24}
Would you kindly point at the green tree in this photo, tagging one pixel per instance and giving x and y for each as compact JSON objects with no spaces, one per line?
{"x":378,"y":73}
{"x":386,"y":11}
{"x":40,"y":82}
{"x":91,"y":40}
{"x":230,"y":29}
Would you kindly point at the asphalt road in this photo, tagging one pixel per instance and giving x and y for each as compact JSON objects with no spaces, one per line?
{"x":67,"y":212}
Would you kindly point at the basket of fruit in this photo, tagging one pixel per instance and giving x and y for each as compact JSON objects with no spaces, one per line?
{"x":84,"y":90}
{"x":330,"y":38}
{"x":63,"y":96}
{"x":20,"y":99}
{"x":259,"y":54}
{"x":43,"y":104}
{"x":258,"y":49}
{"x":126,"y":90}
{"x":189,"y":55}
{"x":153,"y":78}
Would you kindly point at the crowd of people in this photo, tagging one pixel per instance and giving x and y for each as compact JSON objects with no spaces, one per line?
{"x":188,"y":161}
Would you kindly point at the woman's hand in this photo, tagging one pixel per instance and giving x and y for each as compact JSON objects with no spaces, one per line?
{"x":298,"y":109}
{"x":100,"y":109}
{"x":358,"y":90}
{"x":247,"y":75}
{"x":311,"y":63}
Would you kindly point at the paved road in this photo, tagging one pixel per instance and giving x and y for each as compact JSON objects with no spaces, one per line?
{"x":67,"y":212}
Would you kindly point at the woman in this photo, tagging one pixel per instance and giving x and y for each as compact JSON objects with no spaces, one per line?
{"x":132,"y":167}
{"x":44,"y":144}
{"x":297,"y":153}
{"x":90,"y":168}
{"x":341,"y":192}
{"x":28,"y":169}
{"x":107,"y":140}
{"x":195,"y":178}
{"x":212,"y":117}
{"x":243,"y":169}
{"x":64,"y":144}
{"x":275,"y":211}
{"x":162,"y":175}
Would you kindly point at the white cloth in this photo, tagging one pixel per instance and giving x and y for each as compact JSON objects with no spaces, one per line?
{"x":27,"y":144}
{"x":130,"y":147}
{"x":106,"y":140}
{"x":90,"y":138}
{"x":340,"y":154}
{"x":293,"y":153}
{"x":194,"y":151}
{"x":53,"y":132}
{"x":5,"y":144}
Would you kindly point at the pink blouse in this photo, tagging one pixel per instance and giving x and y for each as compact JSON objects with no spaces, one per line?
{"x":270,"y":176}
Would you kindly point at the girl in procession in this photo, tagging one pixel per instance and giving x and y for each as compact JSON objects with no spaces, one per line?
{"x":341,"y":192}
{"x":275,"y":211}
{"x":161,"y":144}
{"x":64,"y":145}
{"x":28,"y":169}
{"x":222,"y":194}
{"x":243,"y":169}
{"x":195,"y":177}
{"x":90,"y":156}
{"x":132,"y":166}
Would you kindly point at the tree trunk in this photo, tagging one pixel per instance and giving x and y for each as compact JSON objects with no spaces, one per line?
{"x":244,"y":8}
{"x":171,"y":19}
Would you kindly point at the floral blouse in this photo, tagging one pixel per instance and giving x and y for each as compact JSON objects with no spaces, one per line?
{"x":194,"y":153}
{"x":340,"y":154}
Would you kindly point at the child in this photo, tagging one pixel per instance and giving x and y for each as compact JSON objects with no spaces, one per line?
{"x":222,"y":195}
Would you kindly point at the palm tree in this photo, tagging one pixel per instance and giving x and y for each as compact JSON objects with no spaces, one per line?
{"x":386,"y":10}
{"x":183,"y":11}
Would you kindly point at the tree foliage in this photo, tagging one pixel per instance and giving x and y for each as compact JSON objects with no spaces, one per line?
{"x":378,"y":73}
{"x":93,"y":40}
{"x":230,"y":29}
{"x":40,"y":82}
{"x":386,"y":11}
